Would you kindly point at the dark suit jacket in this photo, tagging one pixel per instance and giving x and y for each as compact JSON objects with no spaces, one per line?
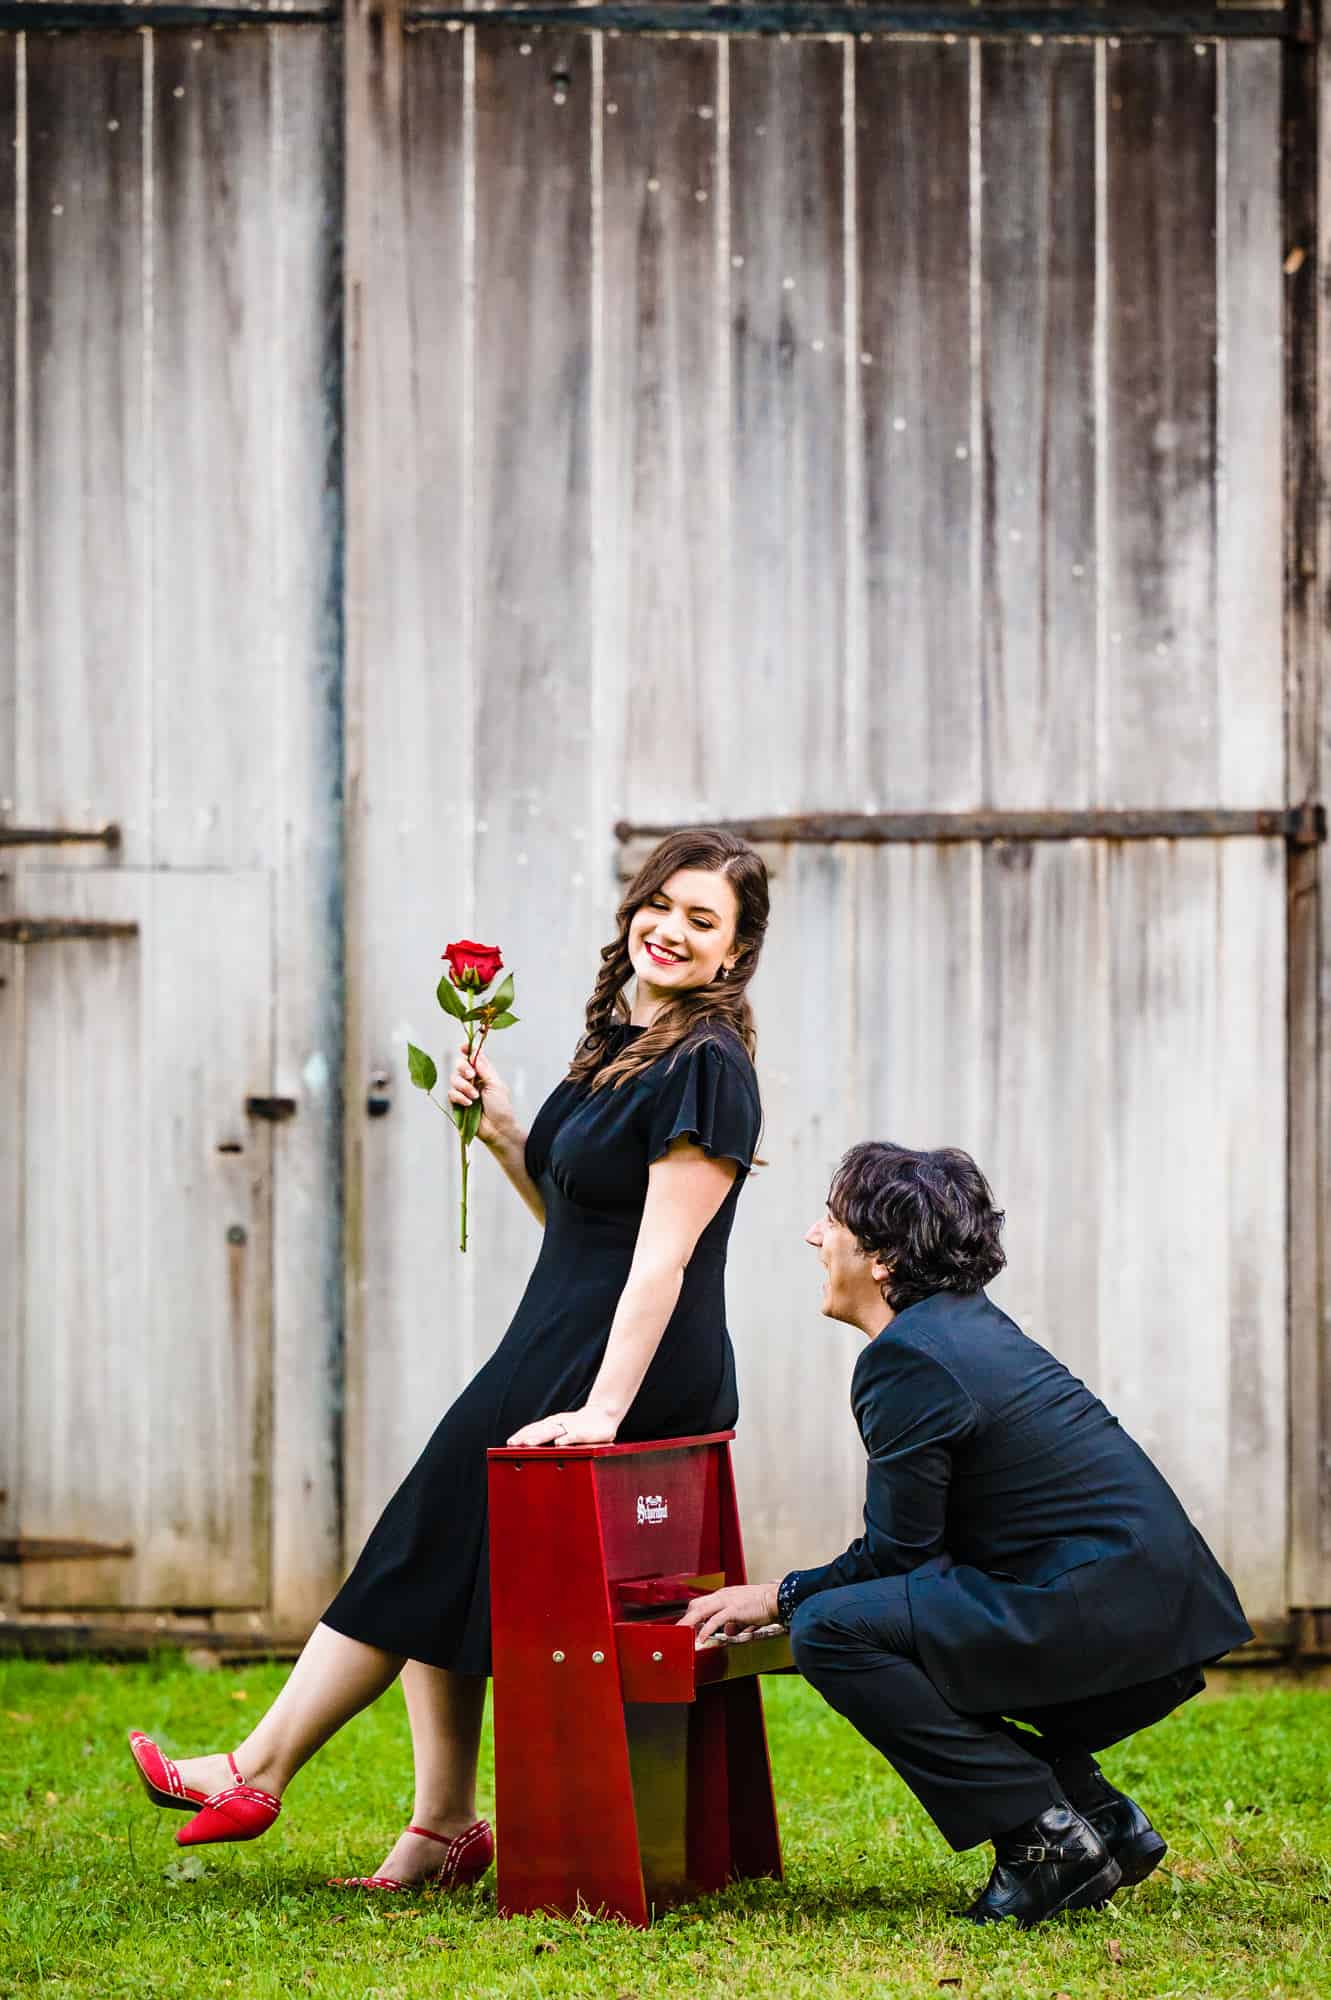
{"x":1046,"y":1558}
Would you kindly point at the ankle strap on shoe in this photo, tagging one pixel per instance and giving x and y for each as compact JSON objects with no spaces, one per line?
{"x":1033,"y":1853}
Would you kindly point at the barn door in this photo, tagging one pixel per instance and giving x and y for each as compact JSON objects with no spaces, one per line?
{"x":142,"y":1463}
{"x":897,"y":430}
{"x":169,"y":662}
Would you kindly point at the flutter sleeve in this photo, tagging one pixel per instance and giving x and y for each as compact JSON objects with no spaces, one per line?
{"x":708,"y":1092}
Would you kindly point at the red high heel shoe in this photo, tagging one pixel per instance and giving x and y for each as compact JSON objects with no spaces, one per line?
{"x":241,"y":1812}
{"x":161,"y":1780}
{"x":469,"y":1855}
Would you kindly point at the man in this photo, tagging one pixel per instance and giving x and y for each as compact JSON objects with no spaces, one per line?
{"x":1022,"y":1563}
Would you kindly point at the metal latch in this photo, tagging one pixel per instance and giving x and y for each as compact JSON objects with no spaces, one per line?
{"x":50,"y":930}
{"x":274,"y":1109}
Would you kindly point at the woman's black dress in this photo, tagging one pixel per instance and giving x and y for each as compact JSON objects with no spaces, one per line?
{"x":422,"y":1584}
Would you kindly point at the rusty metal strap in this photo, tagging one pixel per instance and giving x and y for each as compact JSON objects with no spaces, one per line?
{"x":1118,"y":18}
{"x":51,"y":930}
{"x":53,"y":1548}
{"x":1302,"y":826}
{"x":59,"y":836}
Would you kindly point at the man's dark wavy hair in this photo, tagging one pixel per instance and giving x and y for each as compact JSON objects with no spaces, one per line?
{"x":931,"y":1216}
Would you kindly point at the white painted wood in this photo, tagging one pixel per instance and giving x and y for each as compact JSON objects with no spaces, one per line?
{"x":1037,"y":414}
{"x":912,"y":241}
{"x":543,"y":884}
{"x":661,"y":472}
{"x":11,"y":1170}
{"x":1046,"y":1030}
{"x":410,"y":760}
{"x":1158,"y":695}
{"x":81,"y":458}
{"x":146,"y":1372}
{"x":798,"y":1460}
{"x":303,"y":191}
{"x":781,"y":686}
{"x":1250,"y":444}
{"x":217,"y":239}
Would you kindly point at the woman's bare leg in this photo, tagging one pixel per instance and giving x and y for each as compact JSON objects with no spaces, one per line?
{"x":445,"y":1711}
{"x":334,"y":1678}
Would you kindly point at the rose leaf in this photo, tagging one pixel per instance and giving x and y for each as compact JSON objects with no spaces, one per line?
{"x":448,"y":999}
{"x":423,"y":1072}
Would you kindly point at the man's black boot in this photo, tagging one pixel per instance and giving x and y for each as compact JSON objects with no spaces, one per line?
{"x":1054,"y":1863}
{"x":1119,"y":1821}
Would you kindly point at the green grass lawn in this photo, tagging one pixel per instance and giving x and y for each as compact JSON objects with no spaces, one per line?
{"x":98,"y":1899}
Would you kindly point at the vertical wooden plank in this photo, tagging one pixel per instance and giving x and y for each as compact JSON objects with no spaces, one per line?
{"x":1249,"y":615}
{"x":11,"y":1131}
{"x":85,"y":1307}
{"x":1307,"y":216}
{"x":9,"y":313}
{"x":1159,"y":697}
{"x":913,"y":245}
{"x":303,"y":199}
{"x":1043,"y":1033}
{"x":801,"y":1484}
{"x":541,"y":884}
{"x":1037,"y":271}
{"x":218,"y":404}
{"x":410,"y":801}
{"x":919,"y":995}
{"x":1251,"y":959}
{"x":85,"y":471}
{"x":661,"y":562}
{"x":783,"y":689}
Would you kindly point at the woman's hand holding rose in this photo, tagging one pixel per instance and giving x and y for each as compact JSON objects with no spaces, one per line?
{"x":497,"y":1118}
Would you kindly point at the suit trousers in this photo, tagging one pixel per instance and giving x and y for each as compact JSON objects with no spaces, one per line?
{"x":976,"y":1776}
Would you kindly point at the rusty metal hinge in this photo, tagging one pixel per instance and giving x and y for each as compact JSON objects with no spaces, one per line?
{"x":60,"y":836}
{"x":52,"y":1548}
{"x":50,"y":930}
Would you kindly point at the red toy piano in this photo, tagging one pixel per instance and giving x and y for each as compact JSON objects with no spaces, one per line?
{"x":631,"y":1770}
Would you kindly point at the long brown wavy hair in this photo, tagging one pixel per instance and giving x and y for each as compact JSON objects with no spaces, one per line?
{"x":720,"y":1001}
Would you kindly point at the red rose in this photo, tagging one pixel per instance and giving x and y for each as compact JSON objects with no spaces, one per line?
{"x":473,"y":965}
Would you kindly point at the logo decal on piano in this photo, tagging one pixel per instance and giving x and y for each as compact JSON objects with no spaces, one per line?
{"x":651,"y":1507}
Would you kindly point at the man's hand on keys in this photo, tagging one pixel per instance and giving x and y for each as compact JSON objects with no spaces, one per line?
{"x":741,"y":1611}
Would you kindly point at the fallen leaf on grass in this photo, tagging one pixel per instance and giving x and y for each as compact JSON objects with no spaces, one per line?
{"x":187,"y":1869}
{"x":18,"y":1715}
{"x":440,"y":1944}
{"x":337,"y":1920}
{"x":1115,"y":1950}
{"x":544,"y":1945}
{"x":53,"y":1798}
{"x":239,"y":1694}
{"x":396,"y":1916}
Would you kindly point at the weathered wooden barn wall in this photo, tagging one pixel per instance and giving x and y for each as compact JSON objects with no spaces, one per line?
{"x":733,"y":427}
{"x":171,"y":349}
{"x":760,"y":426}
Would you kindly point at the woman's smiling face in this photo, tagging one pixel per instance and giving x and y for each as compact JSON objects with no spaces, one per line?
{"x":683,"y":935}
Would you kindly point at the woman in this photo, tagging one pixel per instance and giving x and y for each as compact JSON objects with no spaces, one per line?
{"x":633,"y":1167}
